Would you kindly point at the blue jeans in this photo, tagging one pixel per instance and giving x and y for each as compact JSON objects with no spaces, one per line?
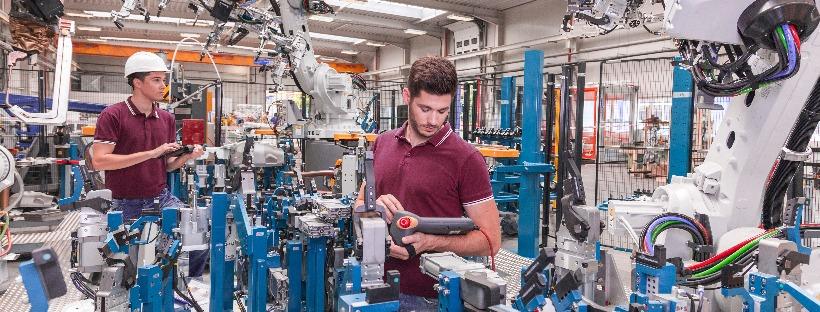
{"x":408,"y":303}
{"x":133,"y":208}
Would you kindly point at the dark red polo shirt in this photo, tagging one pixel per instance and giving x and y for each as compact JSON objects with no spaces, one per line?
{"x":438,"y":178}
{"x":130,"y":131}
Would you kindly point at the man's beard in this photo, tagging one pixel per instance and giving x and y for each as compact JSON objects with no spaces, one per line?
{"x":417,"y":128}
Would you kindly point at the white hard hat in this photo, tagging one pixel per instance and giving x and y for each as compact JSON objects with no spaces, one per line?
{"x":144,"y":62}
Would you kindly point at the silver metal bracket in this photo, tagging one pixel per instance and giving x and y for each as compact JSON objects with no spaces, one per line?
{"x":787,"y":154}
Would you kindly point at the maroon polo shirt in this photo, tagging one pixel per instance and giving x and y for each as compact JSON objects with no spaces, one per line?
{"x":438,"y":178}
{"x":130,"y":131}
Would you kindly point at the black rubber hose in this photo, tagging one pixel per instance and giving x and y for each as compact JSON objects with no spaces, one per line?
{"x":798,"y":141}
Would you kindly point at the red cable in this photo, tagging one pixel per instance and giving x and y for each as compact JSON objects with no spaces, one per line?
{"x":795,"y":35}
{"x":489,"y":243}
{"x":723,"y":254}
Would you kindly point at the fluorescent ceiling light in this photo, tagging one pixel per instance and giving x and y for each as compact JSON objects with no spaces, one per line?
{"x":375,"y":44}
{"x":321,"y":18}
{"x":96,"y":40}
{"x":349,"y":52}
{"x":184,"y":35}
{"x":327,"y":59}
{"x":414,"y":31}
{"x":336,"y":38}
{"x":390,"y":8}
{"x":89,"y":28}
{"x":462,"y":18}
{"x":72,"y":14}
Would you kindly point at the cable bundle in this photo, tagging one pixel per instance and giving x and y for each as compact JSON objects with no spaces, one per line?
{"x":708,"y":271}
{"x":717,"y":79}
{"x":666,"y":221}
{"x":82,"y":284}
{"x":784,"y":169}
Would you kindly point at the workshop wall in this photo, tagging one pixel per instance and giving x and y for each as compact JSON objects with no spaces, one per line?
{"x":421,"y":46}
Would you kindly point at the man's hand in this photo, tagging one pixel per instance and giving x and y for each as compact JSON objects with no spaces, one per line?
{"x":399,"y":252}
{"x":422,"y":242}
{"x":391,"y":205}
{"x":164,"y":148}
{"x":198,"y":152}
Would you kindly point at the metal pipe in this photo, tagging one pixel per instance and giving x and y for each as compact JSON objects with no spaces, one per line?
{"x":523,"y":45}
{"x":587,"y":61}
{"x":580,"y":51}
{"x":601,"y":102}
{"x":218,"y":114}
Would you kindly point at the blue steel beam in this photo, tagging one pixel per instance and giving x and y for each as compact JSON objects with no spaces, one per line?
{"x":294,"y":255}
{"x":680,"y":130}
{"x":315,"y":284}
{"x":530,"y":192}
{"x":507,"y":100}
{"x":219,"y":297}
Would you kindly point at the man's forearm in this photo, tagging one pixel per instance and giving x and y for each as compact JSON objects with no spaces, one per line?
{"x":176,"y":163}
{"x":115,"y":161}
{"x":473,"y":243}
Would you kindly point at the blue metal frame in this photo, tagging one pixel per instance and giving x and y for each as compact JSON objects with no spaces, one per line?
{"x":665,"y":276}
{"x":147,"y":295}
{"x":793,"y":232}
{"x":763,"y":290}
{"x":294,"y":255}
{"x":358,"y":302}
{"x":348,"y":280}
{"x":680,"y":132}
{"x":449,"y":292}
{"x":221,"y":269}
{"x":175,"y":187}
{"x":315,"y":281}
{"x":35,"y":289}
{"x":65,"y":199}
{"x":31,"y":104}
{"x":507,"y":100}
{"x":571,"y":302}
{"x":170,"y":221}
{"x":531,"y":161}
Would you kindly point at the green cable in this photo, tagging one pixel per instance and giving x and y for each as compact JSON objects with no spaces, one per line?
{"x":731,"y":258}
{"x":778,"y":34}
{"x":735,"y":255}
{"x":660,"y":229}
{"x":781,"y":35}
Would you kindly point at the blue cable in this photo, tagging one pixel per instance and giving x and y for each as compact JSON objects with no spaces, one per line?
{"x":792,"y":53}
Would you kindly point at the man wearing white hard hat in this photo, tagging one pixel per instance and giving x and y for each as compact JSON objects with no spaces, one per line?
{"x":131,"y":140}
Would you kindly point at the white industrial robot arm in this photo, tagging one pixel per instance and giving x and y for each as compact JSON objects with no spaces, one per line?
{"x":773,"y":79}
{"x":328,"y":88}
{"x":285,"y":25}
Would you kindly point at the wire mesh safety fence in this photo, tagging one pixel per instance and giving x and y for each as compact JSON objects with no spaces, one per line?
{"x":811,"y":187}
{"x":633,"y":135}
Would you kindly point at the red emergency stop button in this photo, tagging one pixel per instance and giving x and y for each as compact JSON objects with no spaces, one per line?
{"x":405,"y":222}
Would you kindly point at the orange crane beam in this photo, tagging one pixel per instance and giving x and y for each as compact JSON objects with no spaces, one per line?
{"x":182,"y":56}
{"x":102,"y":49}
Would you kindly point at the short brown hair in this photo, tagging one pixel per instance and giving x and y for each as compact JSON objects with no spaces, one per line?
{"x":433,"y":74}
{"x":138,"y":75}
